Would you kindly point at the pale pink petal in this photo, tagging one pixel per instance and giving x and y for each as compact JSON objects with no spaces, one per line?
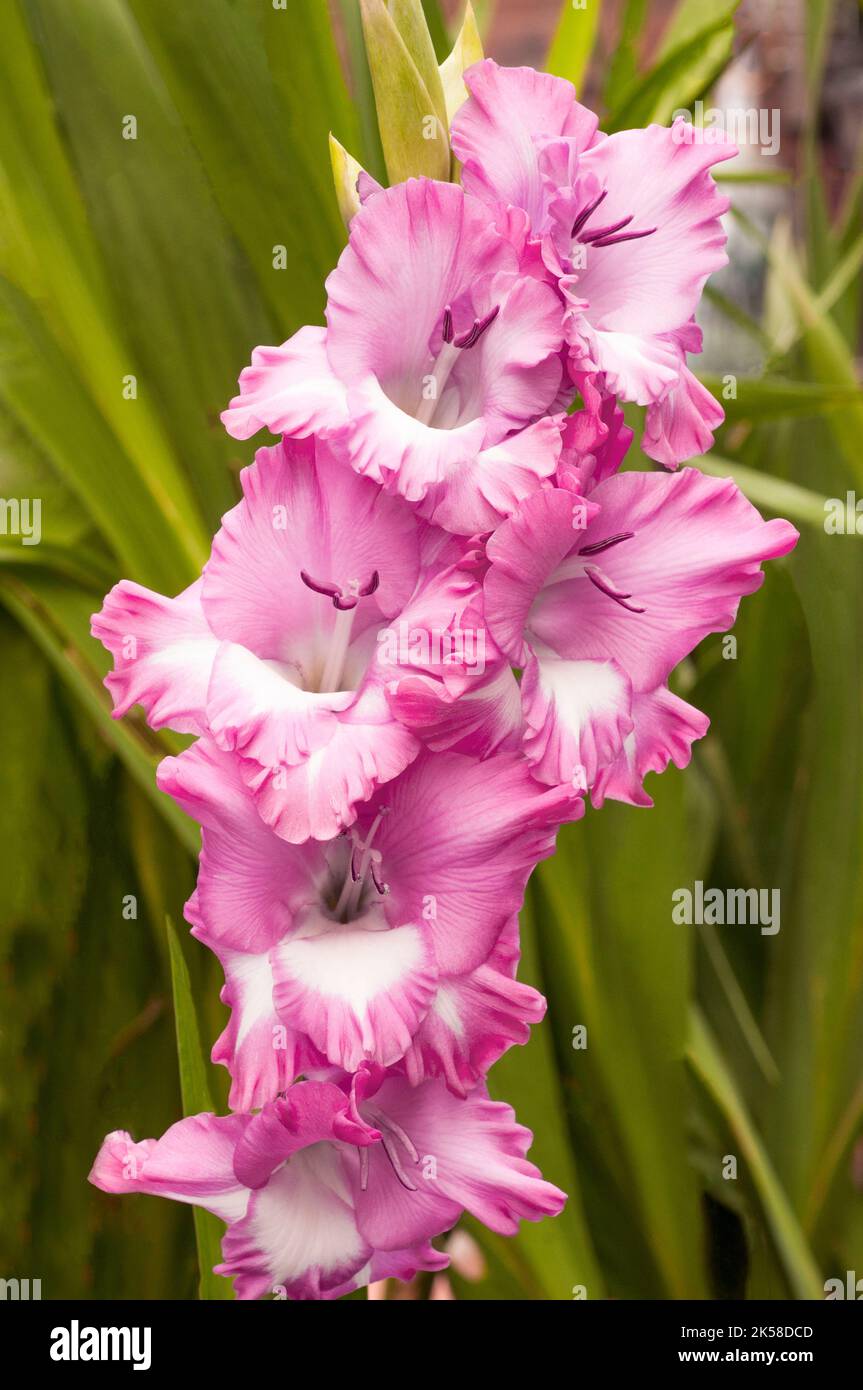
{"x":382,"y":319}
{"x":163,"y":651}
{"x":681,"y":425}
{"x":458,"y":844}
{"x":317,"y":797}
{"x":473,"y":1019}
{"x":288,"y":390}
{"x":694,"y":546}
{"x":357,"y":991}
{"x":495,"y":132}
{"x":660,"y":178}
{"x":304,"y":512}
{"x":577,"y":715}
{"x":192,"y":1162}
{"x":664,"y":730}
{"x":470,"y":1152}
{"x":251,"y":884}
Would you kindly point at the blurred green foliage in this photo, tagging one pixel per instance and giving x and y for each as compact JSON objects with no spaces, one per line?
{"x":153,"y":258}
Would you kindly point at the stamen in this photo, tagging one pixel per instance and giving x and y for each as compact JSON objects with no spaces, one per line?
{"x":372,"y":585}
{"x":362,"y":857}
{"x":606,"y":231}
{"x":318,"y":586}
{"x":587,"y":212}
{"x":383,"y":888}
{"x":344,"y":596}
{"x":473,"y":335}
{"x":604,"y":585}
{"x":597,"y":546}
{"x":404,"y":1139}
{"x":624,"y":236}
{"x":364,"y":1169}
{"x":392,"y":1154}
{"x":446,"y":332}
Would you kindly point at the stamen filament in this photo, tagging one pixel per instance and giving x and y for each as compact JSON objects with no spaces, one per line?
{"x":331,"y":678}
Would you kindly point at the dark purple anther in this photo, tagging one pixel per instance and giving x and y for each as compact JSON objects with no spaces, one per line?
{"x":369,"y":588}
{"x":473,"y":334}
{"x":331,"y":590}
{"x":343,"y":600}
{"x":446,"y":331}
{"x":624,"y":236}
{"x":596,"y":546}
{"x":605,"y":586}
{"x":605,"y":231}
{"x":383,"y":888}
{"x":587,"y":212}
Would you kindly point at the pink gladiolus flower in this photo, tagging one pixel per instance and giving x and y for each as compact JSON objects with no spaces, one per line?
{"x":628,"y":225}
{"x":275,"y":653}
{"x":598,"y":615}
{"x":337,"y":1185}
{"x":438,"y":364}
{"x":394,"y":941}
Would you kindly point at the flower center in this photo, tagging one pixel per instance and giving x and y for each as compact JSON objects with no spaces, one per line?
{"x":453,"y":346}
{"x":610,"y":235}
{"x":363,"y":874}
{"x":580,"y":563}
{"x":396,"y":1145}
{"x":345,"y":598}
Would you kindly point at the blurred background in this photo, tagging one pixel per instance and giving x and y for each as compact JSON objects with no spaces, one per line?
{"x":698,"y":1091}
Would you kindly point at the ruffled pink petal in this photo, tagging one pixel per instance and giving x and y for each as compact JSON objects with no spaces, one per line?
{"x":299,"y":1239}
{"x":256,"y":711}
{"x":263,"y":1057}
{"x":310,"y":1113}
{"x":524,"y":552}
{"x":382,"y":320}
{"x":458,"y":844}
{"x":489,"y":487}
{"x":192,"y":1162}
{"x":495,"y":132}
{"x":681,"y":425}
{"x":387,"y":444}
{"x":250,"y":882}
{"x":473,"y":1020}
{"x":664,"y":730}
{"x":595,"y":441}
{"x":317,"y":797}
{"x":304,"y":512}
{"x":660,"y":178}
{"x":486,"y":719}
{"x":577,"y":715}
{"x":470,"y":1153}
{"x":357,"y":993}
{"x":695,"y":546}
{"x":288,"y":390}
{"x":640,"y":367}
{"x":163,"y":651}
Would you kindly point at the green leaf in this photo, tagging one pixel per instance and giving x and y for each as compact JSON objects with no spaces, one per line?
{"x":773,"y":494}
{"x":707,"y":1062}
{"x":614,"y":962}
{"x":406,"y":110}
{"x":466,"y":51}
{"x":557,"y":1255}
{"x":773,"y":398}
{"x":680,"y":77}
{"x":410,"y":20}
{"x":197,"y":1100}
{"x":57,"y":617}
{"x":573,"y":42}
{"x":267,"y":163}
